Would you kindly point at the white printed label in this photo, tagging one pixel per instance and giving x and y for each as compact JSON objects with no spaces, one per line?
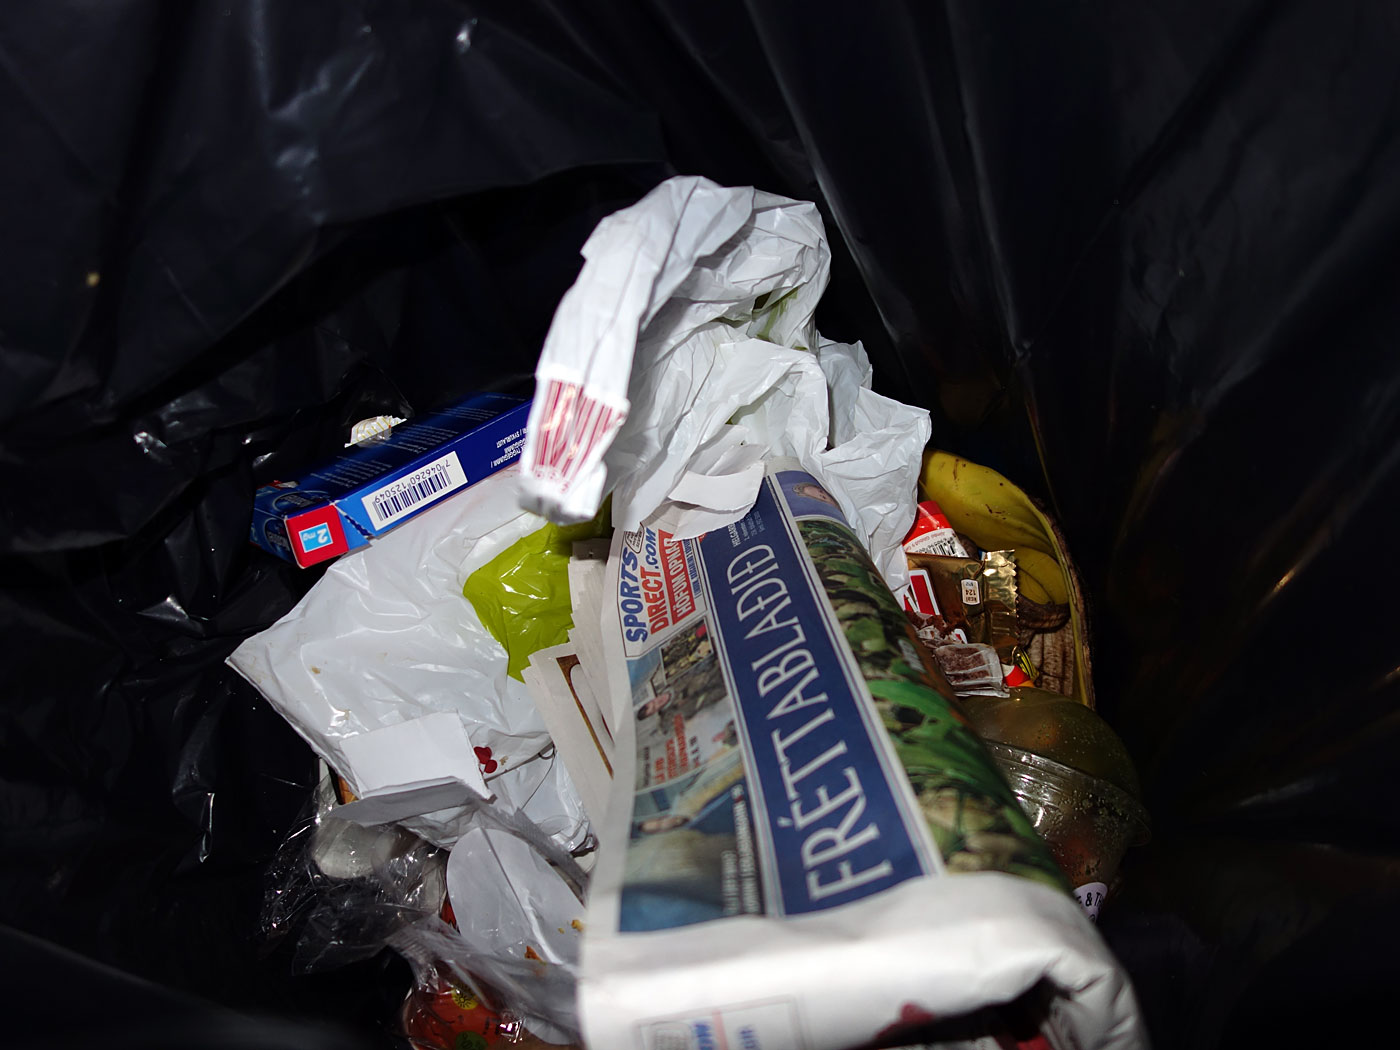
{"x":399,"y":498}
{"x":1090,"y":895}
{"x":942,"y":542}
{"x":971,"y":592}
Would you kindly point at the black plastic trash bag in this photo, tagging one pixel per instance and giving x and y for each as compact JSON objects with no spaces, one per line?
{"x":1140,"y":260}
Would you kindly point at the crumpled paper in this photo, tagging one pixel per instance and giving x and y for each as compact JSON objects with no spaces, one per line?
{"x":686,"y":354}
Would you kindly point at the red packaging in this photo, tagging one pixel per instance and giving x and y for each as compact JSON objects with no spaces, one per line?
{"x":449,"y":1017}
{"x":933,"y":533}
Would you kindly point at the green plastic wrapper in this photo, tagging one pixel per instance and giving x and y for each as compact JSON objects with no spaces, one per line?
{"x":522,"y":594}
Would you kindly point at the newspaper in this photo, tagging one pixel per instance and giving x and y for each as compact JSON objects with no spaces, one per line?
{"x":782,"y":865}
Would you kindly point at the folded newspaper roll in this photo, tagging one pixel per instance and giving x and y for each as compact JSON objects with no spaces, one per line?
{"x":805,"y":845}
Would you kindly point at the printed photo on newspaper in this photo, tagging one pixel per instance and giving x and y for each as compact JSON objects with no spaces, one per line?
{"x":806,"y":812}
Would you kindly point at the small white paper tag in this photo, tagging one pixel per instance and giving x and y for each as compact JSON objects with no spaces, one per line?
{"x":427,"y":750}
{"x":372,"y":431}
{"x":407,"y":801}
{"x":1091,"y":895}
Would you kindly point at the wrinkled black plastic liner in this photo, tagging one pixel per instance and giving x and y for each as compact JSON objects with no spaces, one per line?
{"x":1142,"y":260}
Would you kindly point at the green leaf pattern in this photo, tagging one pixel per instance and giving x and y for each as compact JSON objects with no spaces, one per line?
{"x":974,"y":817}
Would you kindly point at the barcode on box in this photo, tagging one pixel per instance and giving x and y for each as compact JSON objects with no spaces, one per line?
{"x":393,"y":501}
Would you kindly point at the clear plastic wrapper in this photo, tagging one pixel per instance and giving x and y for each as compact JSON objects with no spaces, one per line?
{"x":341,"y":889}
{"x":1075,"y":779}
{"x":444,"y":1013}
{"x":970,"y":667}
{"x":344,"y":892}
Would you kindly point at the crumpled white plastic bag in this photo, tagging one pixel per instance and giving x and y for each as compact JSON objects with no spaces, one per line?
{"x":686,"y":353}
{"x":387,"y":671}
{"x":386,"y":638}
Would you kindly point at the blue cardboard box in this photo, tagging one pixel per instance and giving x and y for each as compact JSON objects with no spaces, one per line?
{"x":371,"y":488}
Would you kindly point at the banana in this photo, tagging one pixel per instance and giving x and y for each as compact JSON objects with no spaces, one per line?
{"x":1027,"y":586}
{"x":1037,"y":570}
{"x":981,"y":503}
{"x":998,"y":516}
